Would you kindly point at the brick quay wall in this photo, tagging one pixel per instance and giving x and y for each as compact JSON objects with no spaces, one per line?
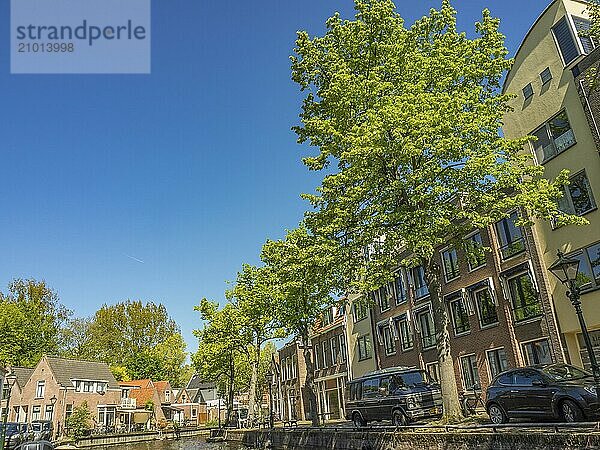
{"x":348,"y":439}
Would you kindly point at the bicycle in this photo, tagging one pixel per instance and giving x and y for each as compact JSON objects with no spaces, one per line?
{"x":471,"y":399}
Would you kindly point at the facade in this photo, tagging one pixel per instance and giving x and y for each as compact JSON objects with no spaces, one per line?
{"x":553,"y":101}
{"x":56,"y":386}
{"x":289,"y":400}
{"x":500,"y":312}
{"x":361,"y":353}
{"x":199,"y":401}
{"x":22,"y":375}
{"x":330,"y":356}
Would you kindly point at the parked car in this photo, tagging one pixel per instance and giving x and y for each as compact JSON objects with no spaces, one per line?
{"x":554,"y":391}
{"x":14,"y":435}
{"x":399,"y":394}
{"x":36,"y":445}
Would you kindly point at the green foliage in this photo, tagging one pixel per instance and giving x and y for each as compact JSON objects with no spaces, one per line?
{"x":76,"y":340}
{"x":80,"y":422}
{"x":165,"y":361}
{"x":406,"y":120}
{"x":121,"y":332}
{"x":120,"y":373}
{"x":31,"y":318}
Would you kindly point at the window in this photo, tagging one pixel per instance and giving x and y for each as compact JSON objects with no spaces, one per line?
{"x":5,"y":391}
{"x":388,"y":339}
{"x":364,"y":347}
{"x":317,"y":353}
{"x":40,"y":389}
{"x":327,"y":317}
{"x":78,"y":385}
{"x":577,"y":196}
{"x":382,"y":298}
{"x":333,"y":343}
{"x":588,"y":276}
{"x":194,"y":413}
{"x":101,"y":388}
{"x":525,"y":299}
{"x":450,"y":261}
{"x":572,"y":42}
{"x":400,"y":286}
{"x":88,"y":386}
{"x":68,"y":410}
{"x":433,"y":369}
{"x":406,"y":340}
{"x":36,"y":412}
{"x":421,"y":289}
{"x":537,"y":352}
{"x":460,"y":317}
{"x":428,"y":339}
{"x":546,"y":75}
{"x":475,"y":251}
{"x":359,"y":310}
{"x":497,"y":361}
{"x":294,"y":366}
{"x":370,"y":388}
{"x":167,"y":396}
{"x":325,"y":359}
{"x":553,"y":137}
{"x":510,"y":236}
{"x":528,"y":91}
{"x":343,"y":351}
{"x":485,"y":307}
{"x":525,"y":377}
{"x":470,"y":373}
{"x":49,"y":414}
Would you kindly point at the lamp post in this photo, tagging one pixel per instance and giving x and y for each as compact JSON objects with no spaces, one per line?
{"x":269,"y":376}
{"x":53,"y":401}
{"x":566,"y":270}
{"x":9,"y":383}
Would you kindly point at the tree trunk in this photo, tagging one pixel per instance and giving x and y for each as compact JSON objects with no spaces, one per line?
{"x":309,"y":383}
{"x":230,"y":393}
{"x":253,"y":382}
{"x":441,"y":322}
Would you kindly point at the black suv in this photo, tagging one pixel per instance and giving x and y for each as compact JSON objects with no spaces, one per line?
{"x":399,"y":394}
{"x":555,"y":391}
{"x":13,"y":436}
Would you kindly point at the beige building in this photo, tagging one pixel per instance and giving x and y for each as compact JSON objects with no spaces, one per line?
{"x":361,"y":353}
{"x":552,"y":104}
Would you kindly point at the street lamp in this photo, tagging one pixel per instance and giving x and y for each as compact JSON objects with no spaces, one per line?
{"x":566,"y":270}
{"x":53,"y":401}
{"x":9,"y":382}
{"x":270,"y":376}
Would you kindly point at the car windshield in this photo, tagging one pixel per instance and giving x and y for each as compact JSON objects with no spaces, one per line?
{"x":407,"y":380}
{"x":564,"y":372}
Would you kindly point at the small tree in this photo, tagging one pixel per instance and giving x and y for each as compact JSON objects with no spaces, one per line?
{"x":79,"y":422}
{"x":406,"y":122}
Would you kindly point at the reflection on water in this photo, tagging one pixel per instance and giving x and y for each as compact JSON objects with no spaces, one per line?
{"x":184,"y":444}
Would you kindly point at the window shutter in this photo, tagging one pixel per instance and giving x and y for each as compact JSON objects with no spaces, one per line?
{"x":533,"y":277}
{"x":564,"y":39}
{"x":379,"y":335}
{"x":468,"y":302}
{"x":393,"y":330}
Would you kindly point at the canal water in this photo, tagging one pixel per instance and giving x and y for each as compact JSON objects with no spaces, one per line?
{"x":184,"y":444}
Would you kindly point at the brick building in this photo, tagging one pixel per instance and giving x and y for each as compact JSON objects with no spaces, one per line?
{"x":500,"y":311}
{"x":56,"y":386}
{"x":289,"y":398}
{"x":330,"y":355}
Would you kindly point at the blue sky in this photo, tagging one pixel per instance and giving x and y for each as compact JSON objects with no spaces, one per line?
{"x":157,"y":187}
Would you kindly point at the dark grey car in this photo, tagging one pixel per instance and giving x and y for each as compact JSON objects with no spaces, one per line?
{"x":400,"y":394}
{"x":555,"y":391}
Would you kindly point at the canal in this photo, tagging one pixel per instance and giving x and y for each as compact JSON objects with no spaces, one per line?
{"x":184,"y":444}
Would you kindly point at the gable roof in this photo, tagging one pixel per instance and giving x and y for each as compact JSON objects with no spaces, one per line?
{"x":65,"y":370}
{"x":162,"y":386}
{"x":197,"y":383}
{"x":142,"y":396}
{"x":22,"y":373}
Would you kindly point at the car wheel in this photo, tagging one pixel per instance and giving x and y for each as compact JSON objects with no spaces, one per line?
{"x":497,"y":415}
{"x":399,"y":419}
{"x":358,"y":421}
{"x":570,"y":412}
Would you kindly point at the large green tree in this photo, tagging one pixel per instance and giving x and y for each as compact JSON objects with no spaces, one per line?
{"x":119,"y":333}
{"x":31,"y":317}
{"x":305,"y":275}
{"x":253,"y":297}
{"x":406,"y":120}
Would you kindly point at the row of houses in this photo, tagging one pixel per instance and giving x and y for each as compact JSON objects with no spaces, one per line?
{"x":57,"y":386}
{"x":506,"y":309}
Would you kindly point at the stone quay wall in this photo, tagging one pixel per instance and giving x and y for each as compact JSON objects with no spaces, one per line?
{"x":338,"y":439}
